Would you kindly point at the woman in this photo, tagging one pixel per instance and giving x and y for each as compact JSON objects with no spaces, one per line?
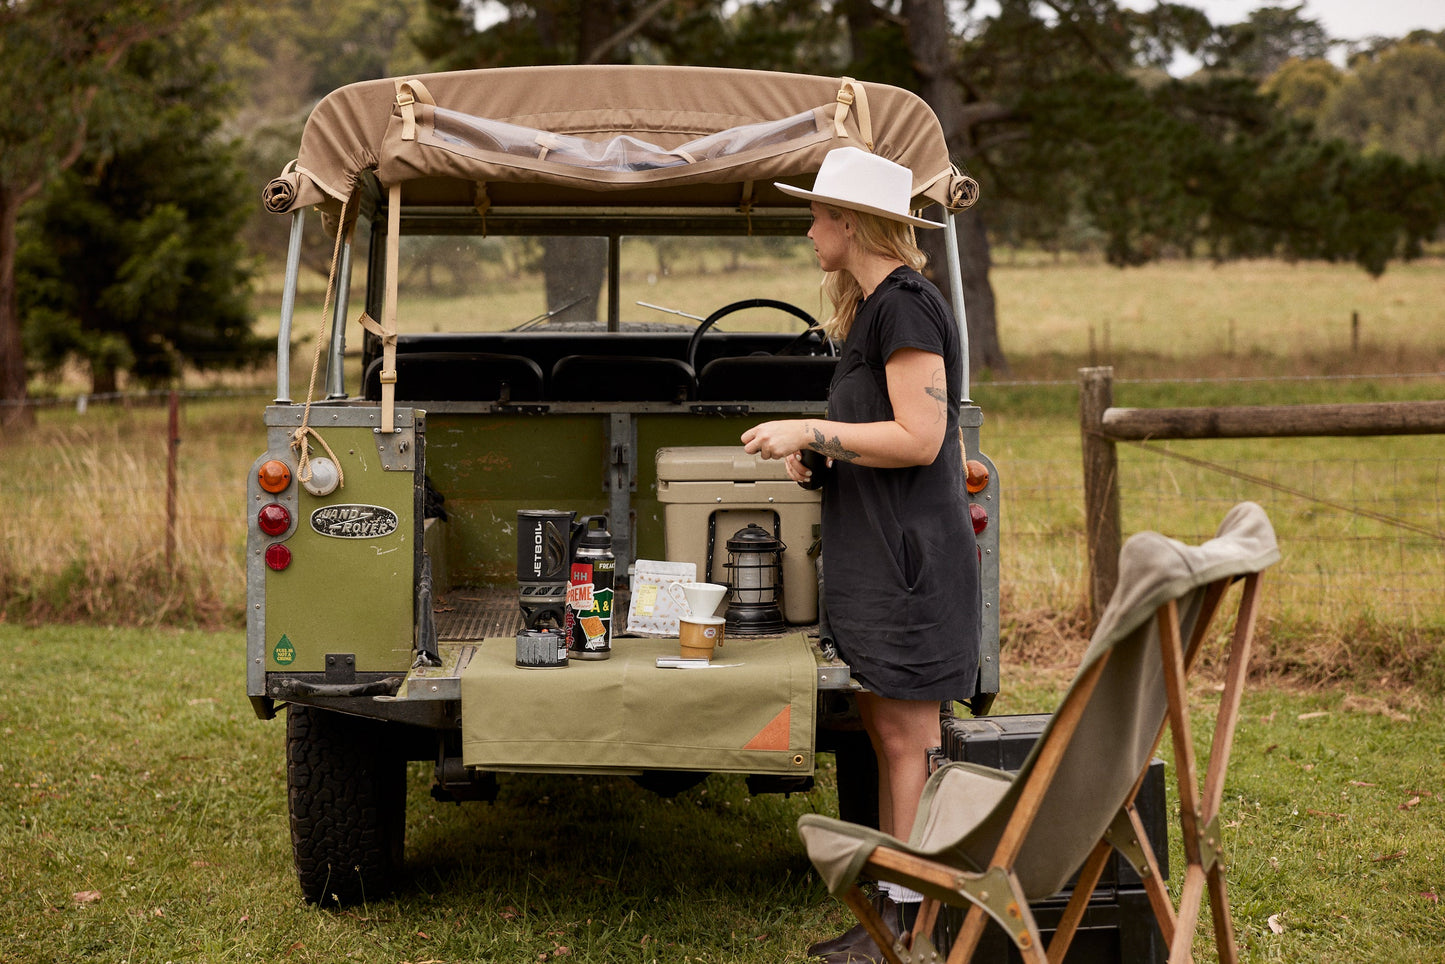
{"x":901,"y":581}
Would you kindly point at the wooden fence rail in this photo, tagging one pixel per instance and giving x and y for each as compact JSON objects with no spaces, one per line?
{"x":1102,"y":425}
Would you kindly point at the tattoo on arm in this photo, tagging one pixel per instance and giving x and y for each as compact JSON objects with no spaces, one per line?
{"x":832,"y":449}
{"x":938,"y":391}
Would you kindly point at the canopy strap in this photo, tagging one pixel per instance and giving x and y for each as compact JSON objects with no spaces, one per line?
{"x":408,"y":92}
{"x":386,"y":331}
{"x":482,"y":201}
{"x":851,"y":94}
{"x":745,"y":205}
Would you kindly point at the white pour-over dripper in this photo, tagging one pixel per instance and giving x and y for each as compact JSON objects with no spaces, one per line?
{"x":703,"y":598}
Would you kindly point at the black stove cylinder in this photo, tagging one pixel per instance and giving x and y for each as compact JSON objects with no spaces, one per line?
{"x":543,"y":558}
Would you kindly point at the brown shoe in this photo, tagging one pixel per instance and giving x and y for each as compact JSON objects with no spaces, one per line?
{"x":855,"y":946}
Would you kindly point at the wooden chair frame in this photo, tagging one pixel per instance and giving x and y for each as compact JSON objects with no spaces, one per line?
{"x":995,"y":893}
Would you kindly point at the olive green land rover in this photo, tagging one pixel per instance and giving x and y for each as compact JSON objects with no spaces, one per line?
{"x":573,"y":288}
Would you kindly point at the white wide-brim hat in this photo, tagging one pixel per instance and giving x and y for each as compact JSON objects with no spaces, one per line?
{"x":855,"y":179}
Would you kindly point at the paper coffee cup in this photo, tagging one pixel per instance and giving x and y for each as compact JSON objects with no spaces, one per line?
{"x":699,"y":635}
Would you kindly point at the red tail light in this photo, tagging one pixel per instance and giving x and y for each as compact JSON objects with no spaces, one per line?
{"x":979,"y":515}
{"x":278,"y":557}
{"x":273,"y":519}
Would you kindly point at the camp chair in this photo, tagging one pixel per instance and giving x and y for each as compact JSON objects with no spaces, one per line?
{"x":992,"y":841}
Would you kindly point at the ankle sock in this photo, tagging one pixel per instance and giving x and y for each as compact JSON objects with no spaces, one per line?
{"x":908,"y":902}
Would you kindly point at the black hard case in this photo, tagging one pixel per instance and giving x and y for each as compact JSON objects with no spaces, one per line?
{"x":1118,"y":925}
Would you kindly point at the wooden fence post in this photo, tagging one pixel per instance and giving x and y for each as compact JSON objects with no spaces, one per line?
{"x":1101,"y":488}
{"x":173,"y":441}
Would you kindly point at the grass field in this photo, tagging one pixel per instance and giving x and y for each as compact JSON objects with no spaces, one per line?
{"x":146,"y":814}
{"x":146,"y":822}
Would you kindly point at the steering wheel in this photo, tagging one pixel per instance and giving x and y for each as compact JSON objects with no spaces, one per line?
{"x":821,"y":343}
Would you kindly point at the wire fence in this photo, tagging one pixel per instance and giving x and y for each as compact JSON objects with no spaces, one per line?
{"x":1361,"y":521}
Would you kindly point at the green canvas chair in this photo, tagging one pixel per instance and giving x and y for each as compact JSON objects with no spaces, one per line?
{"x":992,"y":841}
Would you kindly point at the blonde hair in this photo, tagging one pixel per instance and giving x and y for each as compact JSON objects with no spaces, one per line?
{"x":874,"y":234}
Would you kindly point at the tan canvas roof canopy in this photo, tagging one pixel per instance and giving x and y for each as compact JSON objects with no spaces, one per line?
{"x":680,"y":136}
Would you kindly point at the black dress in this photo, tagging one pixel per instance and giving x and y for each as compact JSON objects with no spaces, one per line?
{"x":900,"y":563}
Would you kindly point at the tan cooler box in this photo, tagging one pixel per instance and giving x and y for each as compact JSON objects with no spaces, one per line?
{"x":709,"y":492}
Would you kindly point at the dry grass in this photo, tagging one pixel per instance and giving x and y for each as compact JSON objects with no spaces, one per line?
{"x":83,"y":536}
{"x":1182,"y":311}
{"x":86,"y":521}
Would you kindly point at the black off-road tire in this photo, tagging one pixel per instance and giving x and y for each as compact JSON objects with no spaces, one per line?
{"x":346,"y":793}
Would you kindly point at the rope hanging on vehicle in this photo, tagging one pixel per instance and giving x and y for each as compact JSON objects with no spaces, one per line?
{"x":851,"y":94}
{"x":299,"y":438}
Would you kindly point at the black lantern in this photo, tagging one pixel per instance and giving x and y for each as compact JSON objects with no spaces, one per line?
{"x":755,"y":566}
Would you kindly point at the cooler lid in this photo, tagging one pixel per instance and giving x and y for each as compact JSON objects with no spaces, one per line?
{"x":717,"y":463}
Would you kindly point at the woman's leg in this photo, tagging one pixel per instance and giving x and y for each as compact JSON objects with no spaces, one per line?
{"x":902,"y":731}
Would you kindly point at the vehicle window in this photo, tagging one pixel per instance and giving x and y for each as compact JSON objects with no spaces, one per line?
{"x":700,"y":275}
{"x":452,"y":283}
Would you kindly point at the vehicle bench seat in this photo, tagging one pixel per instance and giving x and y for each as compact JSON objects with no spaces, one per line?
{"x":622,"y":378}
{"x":459,"y":376}
{"x":597,"y":369}
{"x":767,"y":378}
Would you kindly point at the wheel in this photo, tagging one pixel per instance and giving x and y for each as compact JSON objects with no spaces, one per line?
{"x":668,"y":783}
{"x":824,"y":345}
{"x":346,"y":793}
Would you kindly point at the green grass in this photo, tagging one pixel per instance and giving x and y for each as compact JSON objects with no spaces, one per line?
{"x":146,"y":821}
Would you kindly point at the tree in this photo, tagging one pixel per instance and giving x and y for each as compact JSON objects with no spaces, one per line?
{"x":1268,"y":39}
{"x":546,"y":32}
{"x":1302,"y":88}
{"x":1392,"y":103}
{"x":1063,"y":111}
{"x":285,"y":55}
{"x":131,"y":260}
{"x":61,"y":53}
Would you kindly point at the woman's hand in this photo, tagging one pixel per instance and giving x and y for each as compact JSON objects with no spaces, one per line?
{"x":777,"y":440}
{"x":797,"y":471}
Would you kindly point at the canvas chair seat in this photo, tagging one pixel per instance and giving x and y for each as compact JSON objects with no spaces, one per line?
{"x":993,"y":841}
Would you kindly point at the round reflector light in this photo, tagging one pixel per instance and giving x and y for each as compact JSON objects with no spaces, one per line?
{"x":273,"y":519}
{"x":274,"y":475}
{"x":278,"y":557}
{"x":325,"y":477}
{"x":977,"y":479}
{"x":979,"y":515}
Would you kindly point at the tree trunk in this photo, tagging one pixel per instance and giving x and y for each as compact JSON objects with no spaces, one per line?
{"x":573,"y":269}
{"x":928,"y":44}
{"x":14,"y":412}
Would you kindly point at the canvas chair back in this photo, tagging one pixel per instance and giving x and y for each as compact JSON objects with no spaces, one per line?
{"x":998,"y":841}
{"x":1120,"y":714}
